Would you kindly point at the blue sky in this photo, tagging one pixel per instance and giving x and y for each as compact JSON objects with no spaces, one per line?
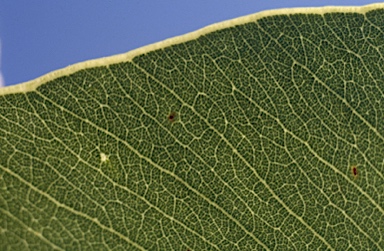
{"x":43,"y":35}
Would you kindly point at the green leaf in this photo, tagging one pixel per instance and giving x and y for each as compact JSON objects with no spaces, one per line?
{"x":265,"y":132}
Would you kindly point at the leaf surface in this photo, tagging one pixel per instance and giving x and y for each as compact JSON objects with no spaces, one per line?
{"x":262,"y":133}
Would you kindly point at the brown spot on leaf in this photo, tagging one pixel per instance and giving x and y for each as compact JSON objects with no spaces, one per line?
{"x":172,"y":117}
{"x":354,"y":171}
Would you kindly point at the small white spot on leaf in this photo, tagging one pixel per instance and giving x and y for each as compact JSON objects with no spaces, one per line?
{"x":103,"y":157}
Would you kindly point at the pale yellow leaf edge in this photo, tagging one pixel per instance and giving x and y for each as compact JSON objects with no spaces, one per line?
{"x":125,"y":57}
